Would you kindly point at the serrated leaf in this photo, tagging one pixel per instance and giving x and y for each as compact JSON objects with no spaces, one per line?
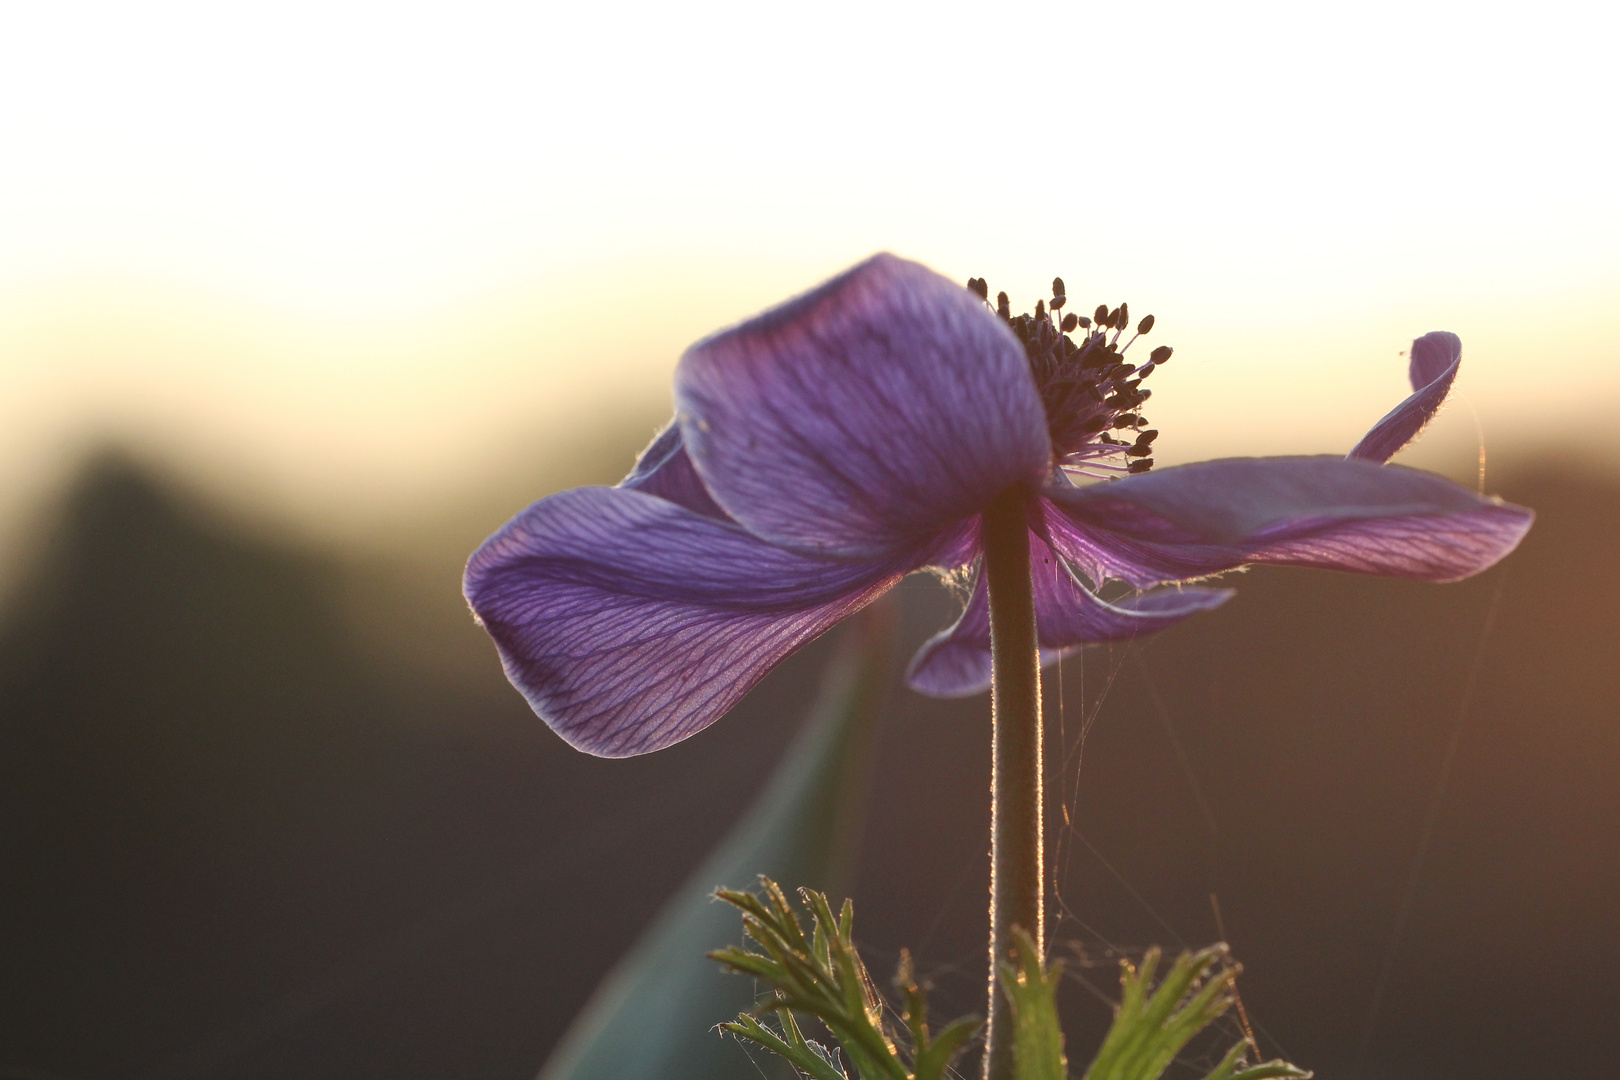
{"x":1153,"y":1024}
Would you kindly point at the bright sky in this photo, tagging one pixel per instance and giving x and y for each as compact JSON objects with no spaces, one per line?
{"x":357,"y":251}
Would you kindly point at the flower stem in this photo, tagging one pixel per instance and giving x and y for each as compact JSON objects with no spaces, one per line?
{"x":1017,"y":874}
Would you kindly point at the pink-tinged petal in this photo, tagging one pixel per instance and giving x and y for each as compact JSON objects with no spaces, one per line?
{"x":630,"y":622}
{"x":956,"y":661}
{"x":1336,"y":513}
{"x":863,"y":417}
{"x":665,"y":469}
{"x":1435,"y":359}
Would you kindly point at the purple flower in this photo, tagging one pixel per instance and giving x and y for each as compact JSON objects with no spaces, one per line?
{"x":825,"y":449}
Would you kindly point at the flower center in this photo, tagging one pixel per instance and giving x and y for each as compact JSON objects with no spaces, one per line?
{"x":1089,"y":390}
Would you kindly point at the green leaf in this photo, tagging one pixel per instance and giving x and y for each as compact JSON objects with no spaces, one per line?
{"x":1153,"y":1025}
{"x":655,"y":1016}
{"x":791,"y":1045}
{"x":1032,"y":993}
{"x":825,"y":978}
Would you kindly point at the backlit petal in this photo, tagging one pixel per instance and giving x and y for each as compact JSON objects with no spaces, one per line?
{"x":956,"y":661}
{"x":863,"y":417}
{"x":664,"y":469}
{"x":630,"y":622}
{"x":1435,"y":359}
{"x":1343,"y":514}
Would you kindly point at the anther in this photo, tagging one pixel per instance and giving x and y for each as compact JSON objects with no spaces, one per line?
{"x":1086,"y":387}
{"x":1159,"y":355}
{"x":979,"y":287}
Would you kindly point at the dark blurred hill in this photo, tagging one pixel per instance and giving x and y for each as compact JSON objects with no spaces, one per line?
{"x":252,"y":826}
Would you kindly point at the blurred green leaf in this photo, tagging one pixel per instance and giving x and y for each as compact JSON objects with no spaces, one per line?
{"x":656,"y":1014}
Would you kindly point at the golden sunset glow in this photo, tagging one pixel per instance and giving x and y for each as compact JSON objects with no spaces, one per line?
{"x":357,"y":251}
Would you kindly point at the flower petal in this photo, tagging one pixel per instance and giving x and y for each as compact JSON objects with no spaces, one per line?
{"x":1435,"y":358}
{"x":665,"y":469}
{"x":865,"y":416}
{"x":956,"y":661}
{"x":1343,"y":514}
{"x":630,"y":622}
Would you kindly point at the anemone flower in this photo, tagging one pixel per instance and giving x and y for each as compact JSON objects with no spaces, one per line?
{"x":834,"y":444}
{"x":891,"y":420}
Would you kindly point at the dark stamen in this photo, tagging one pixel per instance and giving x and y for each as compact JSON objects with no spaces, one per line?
{"x":1085,"y":384}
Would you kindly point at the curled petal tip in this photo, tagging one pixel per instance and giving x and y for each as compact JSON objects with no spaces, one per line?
{"x":1435,"y":359}
{"x":1432,"y":355}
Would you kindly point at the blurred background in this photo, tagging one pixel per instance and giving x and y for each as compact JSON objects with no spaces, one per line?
{"x":299,"y":302}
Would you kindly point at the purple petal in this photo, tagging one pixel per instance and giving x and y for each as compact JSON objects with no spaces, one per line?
{"x":1435,"y":358}
{"x":956,"y":661}
{"x":664,"y":469}
{"x":630,"y":622}
{"x":1343,"y":514}
{"x":865,"y":416}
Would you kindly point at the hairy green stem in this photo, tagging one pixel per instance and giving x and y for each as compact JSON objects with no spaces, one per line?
{"x":1017,"y":874}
